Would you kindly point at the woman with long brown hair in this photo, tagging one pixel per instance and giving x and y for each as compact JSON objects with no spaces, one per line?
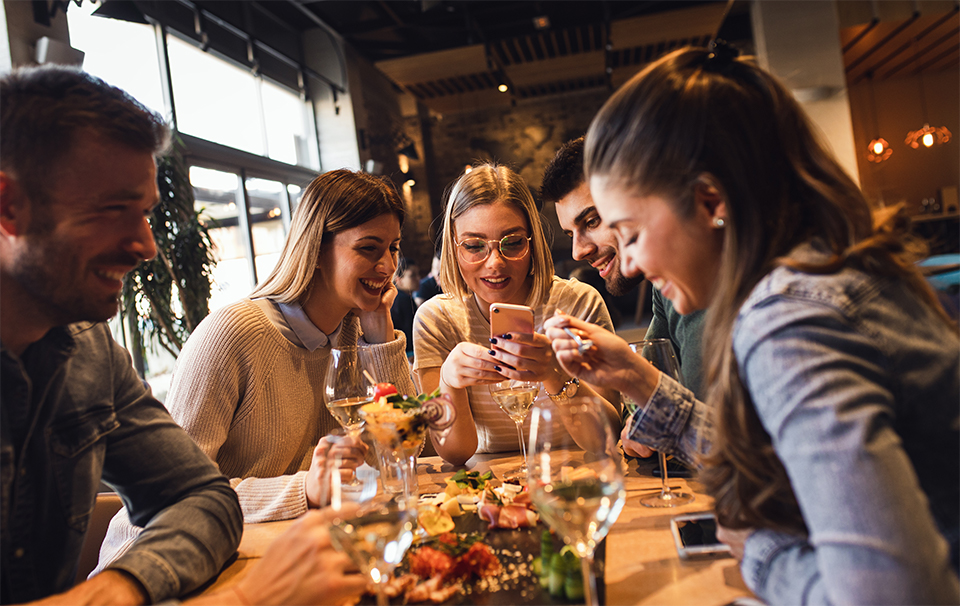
{"x":830,"y":438}
{"x":249,"y":383}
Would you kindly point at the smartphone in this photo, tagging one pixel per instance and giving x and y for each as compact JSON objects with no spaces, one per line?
{"x":695,"y":536}
{"x":505,"y":318}
{"x":675,"y":469}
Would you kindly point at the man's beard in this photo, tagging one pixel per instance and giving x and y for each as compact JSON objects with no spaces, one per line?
{"x":43,"y":275}
{"x":619,"y":284}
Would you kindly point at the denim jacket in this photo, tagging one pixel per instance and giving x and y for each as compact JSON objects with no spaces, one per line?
{"x":858,"y":386}
{"x":74,"y":412}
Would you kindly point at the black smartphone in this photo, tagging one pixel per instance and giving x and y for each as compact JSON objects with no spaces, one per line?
{"x":695,"y":536}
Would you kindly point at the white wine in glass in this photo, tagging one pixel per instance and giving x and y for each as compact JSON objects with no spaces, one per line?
{"x":576,"y":476}
{"x":377,"y":530}
{"x":660,"y":353}
{"x":515,"y":398}
{"x":347,"y":412}
{"x":346,"y":387}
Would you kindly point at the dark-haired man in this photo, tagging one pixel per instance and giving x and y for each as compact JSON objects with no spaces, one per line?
{"x":564,"y":185}
{"x":77,"y":182}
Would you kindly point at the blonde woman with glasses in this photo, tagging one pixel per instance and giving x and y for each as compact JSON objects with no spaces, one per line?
{"x":494,"y":251}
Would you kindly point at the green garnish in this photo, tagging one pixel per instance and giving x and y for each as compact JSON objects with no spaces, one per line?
{"x":472,"y":479}
{"x":407,"y":402}
{"x":463,"y":544}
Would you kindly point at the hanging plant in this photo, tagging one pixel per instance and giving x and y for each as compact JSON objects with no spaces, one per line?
{"x":168,"y":295}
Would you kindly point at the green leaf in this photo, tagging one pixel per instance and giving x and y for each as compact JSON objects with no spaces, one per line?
{"x":402,"y":402}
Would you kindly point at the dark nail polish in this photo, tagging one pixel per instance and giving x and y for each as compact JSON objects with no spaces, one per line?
{"x":497,"y":368}
{"x":507,"y":336}
{"x":491,"y":352}
{"x":493,"y":340}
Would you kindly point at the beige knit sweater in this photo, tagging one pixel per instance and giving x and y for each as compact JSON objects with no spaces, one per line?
{"x":254,"y":402}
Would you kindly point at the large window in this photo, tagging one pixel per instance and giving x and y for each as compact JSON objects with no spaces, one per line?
{"x":136,"y":69}
{"x":251,"y":144}
{"x":215,"y":100}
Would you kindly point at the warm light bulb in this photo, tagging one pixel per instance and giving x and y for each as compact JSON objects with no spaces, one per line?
{"x":928,"y":140}
{"x":409,"y":183}
{"x":502,"y":88}
{"x":878,"y":150}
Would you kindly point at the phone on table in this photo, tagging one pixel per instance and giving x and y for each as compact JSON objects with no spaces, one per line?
{"x":508,"y":318}
{"x":675,"y":469}
{"x":695,"y":535}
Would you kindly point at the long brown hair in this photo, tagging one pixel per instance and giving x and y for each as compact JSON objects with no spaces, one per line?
{"x":699,"y":113}
{"x":333,"y":202}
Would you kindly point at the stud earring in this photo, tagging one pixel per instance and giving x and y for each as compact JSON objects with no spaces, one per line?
{"x":718,"y":222}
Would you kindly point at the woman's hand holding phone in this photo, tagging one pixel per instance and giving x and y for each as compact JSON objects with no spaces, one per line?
{"x":525,"y":356}
{"x":521,"y":353}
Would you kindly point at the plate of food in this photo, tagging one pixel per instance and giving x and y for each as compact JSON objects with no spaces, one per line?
{"x":470,"y":552}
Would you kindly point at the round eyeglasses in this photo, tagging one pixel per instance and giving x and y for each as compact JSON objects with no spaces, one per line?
{"x":476,"y":250}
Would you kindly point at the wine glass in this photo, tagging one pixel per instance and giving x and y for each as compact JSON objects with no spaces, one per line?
{"x":377,"y":528}
{"x":347,"y":388}
{"x":660,"y":353}
{"x":576,"y":476}
{"x":515,"y":398}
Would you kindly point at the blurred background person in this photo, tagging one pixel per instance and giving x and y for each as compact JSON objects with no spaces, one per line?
{"x":429,"y":285}
{"x":404,"y":307}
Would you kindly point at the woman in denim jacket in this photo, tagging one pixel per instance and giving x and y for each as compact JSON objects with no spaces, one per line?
{"x":830,"y":434}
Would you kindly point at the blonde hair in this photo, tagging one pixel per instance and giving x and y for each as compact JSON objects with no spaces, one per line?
{"x":490,"y":183}
{"x":333,"y":202}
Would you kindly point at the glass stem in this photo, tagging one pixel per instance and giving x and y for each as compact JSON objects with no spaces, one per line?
{"x":523,"y":447}
{"x":665,"y":490}
{"x":590,"y":597}
{"x":382,"y":599}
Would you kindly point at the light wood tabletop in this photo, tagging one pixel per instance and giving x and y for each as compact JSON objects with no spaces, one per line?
{"x":642,"y":564}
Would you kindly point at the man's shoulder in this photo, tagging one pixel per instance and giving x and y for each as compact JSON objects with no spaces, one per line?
{"x":86,"y":337}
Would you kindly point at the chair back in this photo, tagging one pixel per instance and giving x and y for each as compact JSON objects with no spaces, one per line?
{"x":108,"y":504}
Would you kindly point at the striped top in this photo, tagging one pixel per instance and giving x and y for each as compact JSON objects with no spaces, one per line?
{"x":443,"y":322}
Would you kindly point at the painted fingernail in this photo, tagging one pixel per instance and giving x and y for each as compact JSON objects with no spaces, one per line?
{"x":491,"y":352}
{"x":493,"y":340}
{"x":507,"y":336}
{"x":497,"y":368}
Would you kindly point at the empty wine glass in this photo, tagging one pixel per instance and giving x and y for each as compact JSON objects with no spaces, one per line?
{"x":576,"y":476}
{"x":374,"y":529}
{"x":660,"y":353}
{"x":515,"y":398}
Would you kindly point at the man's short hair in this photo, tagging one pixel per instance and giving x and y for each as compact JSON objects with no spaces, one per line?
{"x":564,"y":173}
{"x":43,"y":108}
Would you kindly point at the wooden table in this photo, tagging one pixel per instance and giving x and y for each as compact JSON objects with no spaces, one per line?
{"x":642,"y":565}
